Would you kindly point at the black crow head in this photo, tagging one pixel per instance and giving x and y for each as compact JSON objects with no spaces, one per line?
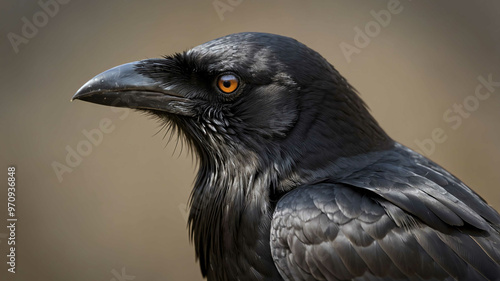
{"x":264,"y":113}
{"x":247,"y":97}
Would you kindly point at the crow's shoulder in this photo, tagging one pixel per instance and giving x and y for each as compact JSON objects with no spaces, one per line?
{"x":399,"y":217}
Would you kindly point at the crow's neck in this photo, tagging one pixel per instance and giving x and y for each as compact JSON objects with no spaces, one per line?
{"x":230,"y":210}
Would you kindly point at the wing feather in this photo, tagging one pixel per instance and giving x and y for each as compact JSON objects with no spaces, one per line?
{"x":338,"y":232}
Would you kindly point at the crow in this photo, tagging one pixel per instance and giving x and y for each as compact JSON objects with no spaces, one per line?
{"x":297,"y":180}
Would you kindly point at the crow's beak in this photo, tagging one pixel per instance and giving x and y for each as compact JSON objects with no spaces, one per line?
{"x":124,"y":86}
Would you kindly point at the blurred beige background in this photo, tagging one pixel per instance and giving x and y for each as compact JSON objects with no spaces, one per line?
{"x":121,"y":210}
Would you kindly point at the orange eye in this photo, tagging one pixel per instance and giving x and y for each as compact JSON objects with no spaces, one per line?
{"x":228,"y":83}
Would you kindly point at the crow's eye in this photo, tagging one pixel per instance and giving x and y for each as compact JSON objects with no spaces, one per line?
{"x":228,"y":83}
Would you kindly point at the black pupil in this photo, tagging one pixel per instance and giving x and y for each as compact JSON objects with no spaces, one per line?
{"x":226,"y":83}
